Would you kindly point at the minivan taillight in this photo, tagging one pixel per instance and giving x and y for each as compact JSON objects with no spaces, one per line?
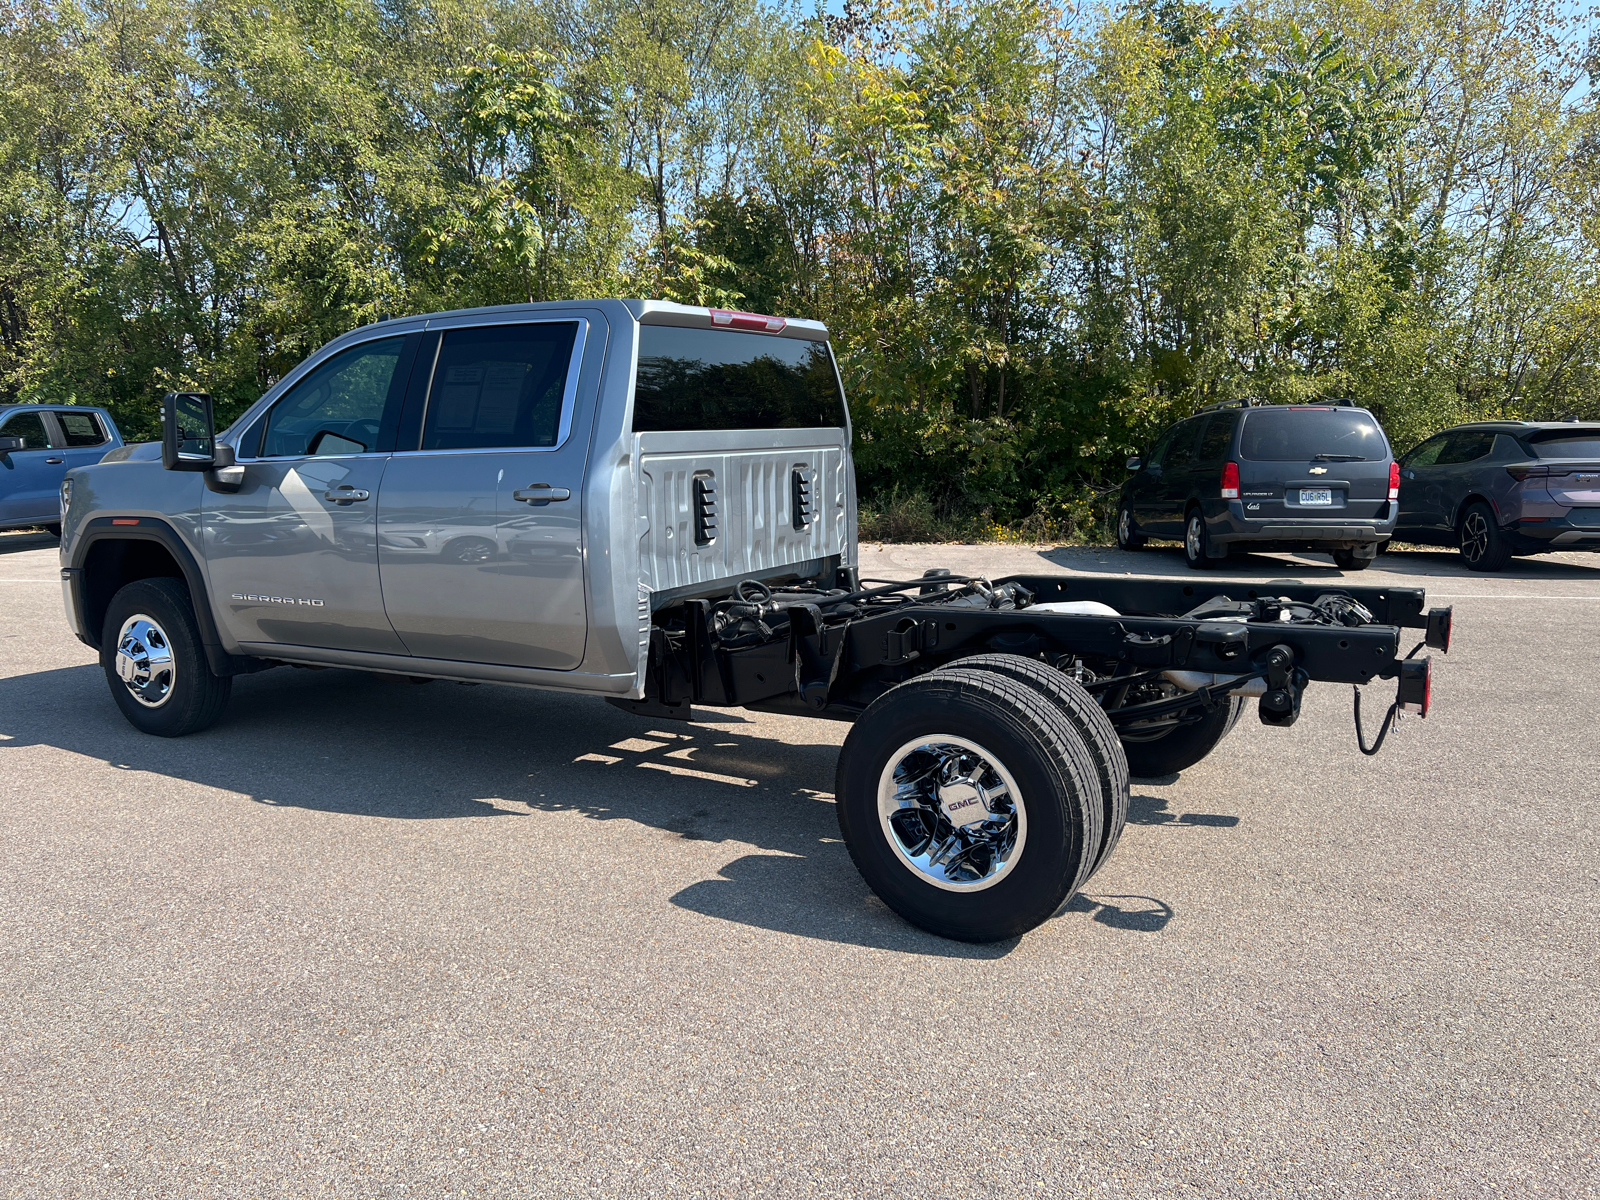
{"x":1394,"y":481}
{"x":1230,"y":481}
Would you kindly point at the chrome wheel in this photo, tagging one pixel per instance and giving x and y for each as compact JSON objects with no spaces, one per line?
{"x":1474,"y":536}
{"x":145,"y":662}
{"x":952,"y":812}
{"x":1125,"y":527}
{"x":1192,"y":539}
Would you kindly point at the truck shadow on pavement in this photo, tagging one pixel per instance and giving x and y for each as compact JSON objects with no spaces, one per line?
{"x":370,"y":747}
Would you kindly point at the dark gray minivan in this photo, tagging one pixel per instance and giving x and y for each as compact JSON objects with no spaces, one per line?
{"x":1267,"y":477}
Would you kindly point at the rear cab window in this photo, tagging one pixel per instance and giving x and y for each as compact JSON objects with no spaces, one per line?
{"x":1302,"y":434}
{"x":81,"y":429}
{"x":716,"y":379}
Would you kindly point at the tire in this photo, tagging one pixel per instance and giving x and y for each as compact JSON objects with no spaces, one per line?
{"x":1196,"y":541}
{"x":1020,"y":749}
{"x":1185,"y":745}
{"x":53,"y":529}
{"x":1346,"y":560}
{"x":171,"y":690}
{"x":1483,"y":546}
{"x":1092,"y":725}
{"x":1128,"y":535}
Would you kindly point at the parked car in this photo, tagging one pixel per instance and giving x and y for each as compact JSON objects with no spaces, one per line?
{"x":39,"y":444}
{"x":1496,"y":489}
{"x":1265,"y":477}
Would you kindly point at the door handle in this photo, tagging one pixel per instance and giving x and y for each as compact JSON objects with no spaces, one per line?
{"x":56,"y":461}
{"x":541,"y":493}
{"x":345,"y":494}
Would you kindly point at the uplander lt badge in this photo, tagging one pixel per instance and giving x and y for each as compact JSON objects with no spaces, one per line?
{"x":290,"y":600}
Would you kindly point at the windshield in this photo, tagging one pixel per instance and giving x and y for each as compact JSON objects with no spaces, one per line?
{"x":1569,"y":445}
{"x":692,"y":379}
{"x":1301,"y":434}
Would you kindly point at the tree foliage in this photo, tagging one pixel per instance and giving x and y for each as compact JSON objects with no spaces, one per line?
{"x":1037,"y":233}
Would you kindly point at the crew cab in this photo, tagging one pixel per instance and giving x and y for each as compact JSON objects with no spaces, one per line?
{"x":39,"y":444}
{"x":655,"y":504}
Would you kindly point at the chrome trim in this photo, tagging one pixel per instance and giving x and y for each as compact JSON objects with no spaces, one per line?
{"x":145,"y":662}
{"x":970,"y":808}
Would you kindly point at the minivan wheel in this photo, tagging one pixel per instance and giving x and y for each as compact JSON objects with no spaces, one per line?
{"x":1483,"y":546}
{"x":1196,"y":541}
{"x":1128,"y":535}
{"x":154,"y":663}
{"x":1346,"y":560}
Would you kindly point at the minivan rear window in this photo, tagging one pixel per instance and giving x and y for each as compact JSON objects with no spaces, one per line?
{"x":699,"y":379}
{"x":1300,"y":434}
{"x":1568,"y":445}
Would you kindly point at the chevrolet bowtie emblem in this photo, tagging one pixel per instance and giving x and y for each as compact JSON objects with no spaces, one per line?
{"x":1319,"y":470}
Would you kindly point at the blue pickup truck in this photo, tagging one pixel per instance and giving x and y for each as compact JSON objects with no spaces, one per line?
{"x":39,"y":444}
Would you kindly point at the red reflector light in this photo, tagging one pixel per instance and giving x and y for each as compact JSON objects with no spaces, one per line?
{"x":744,"y":320}
{"x":1230,"y":481}
{"x":124,"y":520}
{"x":1394,"y":481}
{"x":1416,"y":685}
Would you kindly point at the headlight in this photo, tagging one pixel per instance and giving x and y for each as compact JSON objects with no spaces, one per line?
{"x":66,"y":497}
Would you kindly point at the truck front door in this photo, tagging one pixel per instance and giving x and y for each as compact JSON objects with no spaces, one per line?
{"x":480,"y":543}
{"x":30,"y":478}
{"x":293,"y":555}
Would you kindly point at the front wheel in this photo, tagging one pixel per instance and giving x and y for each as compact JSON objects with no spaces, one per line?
{"x":151,"y":653}
{"x":1128,"y":535}
{"x":1483,"y":546}
{"x":969,"y":804}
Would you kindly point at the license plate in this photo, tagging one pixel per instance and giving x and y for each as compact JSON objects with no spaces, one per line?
{"x":1316,"y":495}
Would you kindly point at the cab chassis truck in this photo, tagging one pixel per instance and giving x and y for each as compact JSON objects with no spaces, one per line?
{"x":664,"y":516}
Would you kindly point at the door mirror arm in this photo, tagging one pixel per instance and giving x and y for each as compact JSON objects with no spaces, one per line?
{"x":224,"y":475}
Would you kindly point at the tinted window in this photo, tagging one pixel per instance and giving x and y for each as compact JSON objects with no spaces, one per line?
{"x":1465,"y":446}
{"x":499,"y":386}
{"x":1159,"y":450}
{"x":719,"y":379}
{"x":337,"y":409}
{"x":81,"y":429}
{"x":1181,"y":453}
{"x":1426,"y":454}
{"x":1216,"y":441}
{"x":1575,"y":445}
{"x":1300,"y":434}
{"x":29,"y":427}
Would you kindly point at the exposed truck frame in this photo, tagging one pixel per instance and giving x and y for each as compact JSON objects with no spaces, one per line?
{"x":995,"y":721}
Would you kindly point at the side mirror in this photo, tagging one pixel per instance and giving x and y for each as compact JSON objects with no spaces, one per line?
{"x":8,"y":444}
{"x":1133,"y":463}
{"x":188,"y":432}
{"x":226,"y":475}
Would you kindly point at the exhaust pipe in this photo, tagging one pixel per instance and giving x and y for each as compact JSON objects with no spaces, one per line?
{"x":1193,"y":681}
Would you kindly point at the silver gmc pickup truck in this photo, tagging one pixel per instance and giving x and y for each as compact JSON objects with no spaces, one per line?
{"x":655,"y":504}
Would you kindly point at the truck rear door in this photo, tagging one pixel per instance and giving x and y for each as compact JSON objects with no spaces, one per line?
{"x":480,"y":530}
{"x":744,"y":453}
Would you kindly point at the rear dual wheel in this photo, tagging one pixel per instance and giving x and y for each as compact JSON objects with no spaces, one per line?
{"x":971,"y":803}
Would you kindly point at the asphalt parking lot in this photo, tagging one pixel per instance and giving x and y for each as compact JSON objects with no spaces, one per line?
{"x":371,"y":939}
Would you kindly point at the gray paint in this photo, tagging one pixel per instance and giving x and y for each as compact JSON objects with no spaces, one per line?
{"x":442,"y":572}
